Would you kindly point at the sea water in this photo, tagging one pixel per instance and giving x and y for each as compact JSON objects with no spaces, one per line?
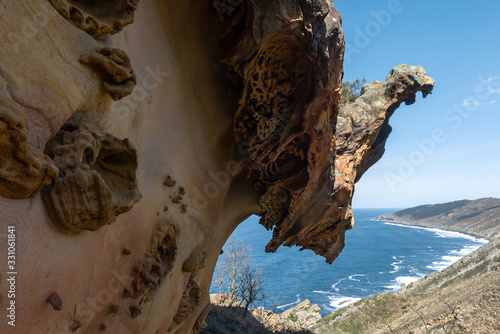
{"x":377,"y":256}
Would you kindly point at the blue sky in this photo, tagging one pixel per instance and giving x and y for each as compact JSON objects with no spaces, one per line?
{"x":445,"y":147}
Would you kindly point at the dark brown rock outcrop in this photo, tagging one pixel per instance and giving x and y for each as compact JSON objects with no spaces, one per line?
{"x":191,"y":300}
{"x":157,"y":263}
{"x":287,"y":115}
{"x":362,"y":131}
{"x":303,"y":161}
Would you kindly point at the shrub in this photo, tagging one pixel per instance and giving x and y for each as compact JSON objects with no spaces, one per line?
{"x":292,"y":316}
{"x":350,"y":91}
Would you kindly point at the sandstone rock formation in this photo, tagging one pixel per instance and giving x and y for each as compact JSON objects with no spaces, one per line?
{"x":304,"y":314}
{"x":24,"y":169}
{"x":362,"y":131}
{"x":233,"y":114}
{"x":96,"y":179}
{"x":115,"y":64}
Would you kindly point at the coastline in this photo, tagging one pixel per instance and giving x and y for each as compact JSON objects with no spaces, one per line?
{"x":478,"y":236}
{"x":389,"y":275}
{"x":451,"y":259}
{"x":478,"y":218}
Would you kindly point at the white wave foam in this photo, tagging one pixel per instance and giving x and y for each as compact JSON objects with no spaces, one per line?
{"x":400,"y":280}
{"x":334,"y":286}
{"x":452,"y":257}
{"x":414,"y":270}
{"x":351,"y":278}
{"x":449,"y":234}
{"x":395,"y":265}
{"x":356,"y":275}
{"x":465,"y":251}
{"x":392,"y":287}
{"x":443,"y":233}
{"x":290,"y":304}
{"x":339,"y":302}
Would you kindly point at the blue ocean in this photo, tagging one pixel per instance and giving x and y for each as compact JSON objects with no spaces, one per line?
{"x":378,"y":256}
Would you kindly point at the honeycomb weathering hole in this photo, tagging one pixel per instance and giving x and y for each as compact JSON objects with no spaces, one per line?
{"x":278,"y":84}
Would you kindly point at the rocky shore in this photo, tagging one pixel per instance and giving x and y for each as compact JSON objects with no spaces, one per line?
{"x":296,"y":320}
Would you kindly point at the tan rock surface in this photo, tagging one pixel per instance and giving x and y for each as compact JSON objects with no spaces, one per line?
{"x":232,"y":110}
{"x":306,"y":315}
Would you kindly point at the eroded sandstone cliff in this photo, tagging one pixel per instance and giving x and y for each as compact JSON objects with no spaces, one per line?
{"x":128,"y":160}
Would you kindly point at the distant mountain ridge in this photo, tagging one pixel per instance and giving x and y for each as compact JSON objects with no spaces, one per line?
{"x":480,"y":217}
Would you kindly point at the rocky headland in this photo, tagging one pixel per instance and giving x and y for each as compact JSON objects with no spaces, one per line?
{"x":480,"y":218}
